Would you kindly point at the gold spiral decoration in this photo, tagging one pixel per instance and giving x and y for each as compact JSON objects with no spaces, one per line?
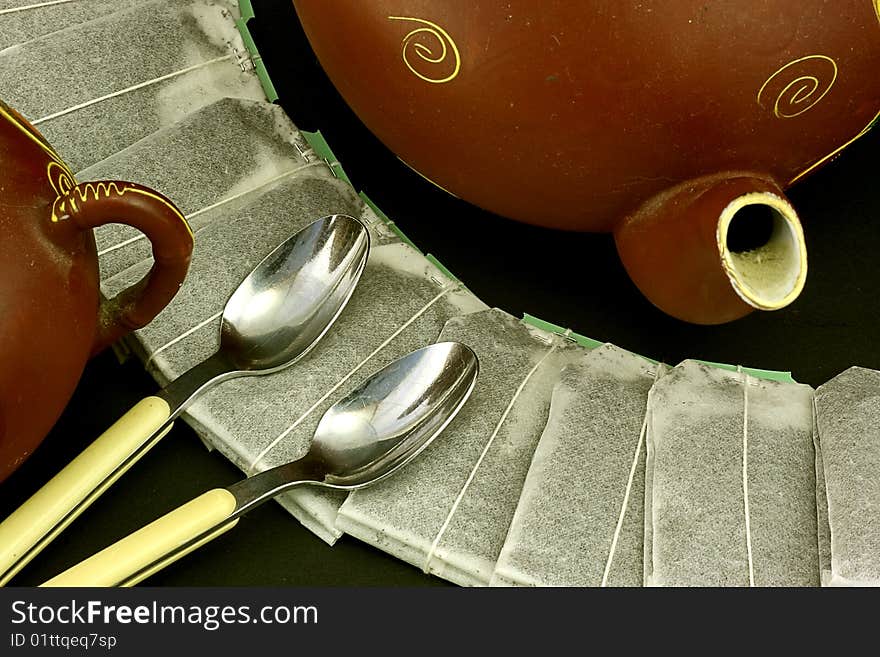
{"x":798,"y":86}
{"x":411,"y":47}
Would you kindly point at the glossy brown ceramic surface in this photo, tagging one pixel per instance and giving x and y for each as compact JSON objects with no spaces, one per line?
{"x":579,"y":115}
{"x":51,"y":316}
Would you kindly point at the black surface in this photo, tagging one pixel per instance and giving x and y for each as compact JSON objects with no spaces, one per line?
{"x":574,"y":280}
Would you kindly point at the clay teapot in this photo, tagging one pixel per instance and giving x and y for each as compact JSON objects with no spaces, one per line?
{"x":51,"y":314}
{"x":674,"y":125}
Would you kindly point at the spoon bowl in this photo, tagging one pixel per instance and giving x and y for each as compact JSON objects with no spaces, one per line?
{"x":283,"y":308}
{"x":391,"y":418}
{"x":377,"y":428}
{"x":370,"y":434}
{"x":294,"y":295}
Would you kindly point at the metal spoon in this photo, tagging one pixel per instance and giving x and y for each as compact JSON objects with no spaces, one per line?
{"x":361,"y":439}
{"x":275,"y":317}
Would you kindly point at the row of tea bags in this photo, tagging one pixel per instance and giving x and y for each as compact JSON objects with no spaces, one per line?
{"x":573,"y":463}
{"x":689,"y":476}
{"x":597,"y":467}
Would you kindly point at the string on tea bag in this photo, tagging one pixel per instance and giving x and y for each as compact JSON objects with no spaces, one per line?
{"x":745,"y":473}
{"x":430,"y":555}
{"x":629,"y":484}
{"x":151,"y":360}
{"x":252,"y":468}
{"x":36,"y":5}
{"x":579,"y":518}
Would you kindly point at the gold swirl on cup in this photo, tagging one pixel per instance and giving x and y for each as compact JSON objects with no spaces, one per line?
{"x":414,"y":46}
{"x":798,"y":86}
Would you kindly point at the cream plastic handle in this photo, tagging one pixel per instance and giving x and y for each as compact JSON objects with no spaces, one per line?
{"x":162,"y":542}
{"x":52,"y":508}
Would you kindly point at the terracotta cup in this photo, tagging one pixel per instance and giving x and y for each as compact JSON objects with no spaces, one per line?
{"x":670,"y":124}
{"x":52,"y":317}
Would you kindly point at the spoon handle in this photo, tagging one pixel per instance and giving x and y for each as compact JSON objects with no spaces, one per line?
{"x":34,"y":525}
{"x":164,"y":541}
{"x":52,"y":508}
{"x":151,"y":548}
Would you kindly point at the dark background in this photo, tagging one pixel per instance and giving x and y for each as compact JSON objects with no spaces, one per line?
{"x":574,"y":280}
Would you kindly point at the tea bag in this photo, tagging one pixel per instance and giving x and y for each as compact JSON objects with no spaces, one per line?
{"x":730,"y":481}
{"x":449,"y":510}
{"x":580,"y":518}
{"x":848,"y":423}
{"x":209,"y":159}
{"x":400,"y":304}
{"x":23,"y":20}
{"x":135,"y":71}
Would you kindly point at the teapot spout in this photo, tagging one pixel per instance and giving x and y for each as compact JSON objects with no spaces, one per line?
{"x":713,"y":249}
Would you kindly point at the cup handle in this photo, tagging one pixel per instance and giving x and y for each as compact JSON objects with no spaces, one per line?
{"x":94,"y":204}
